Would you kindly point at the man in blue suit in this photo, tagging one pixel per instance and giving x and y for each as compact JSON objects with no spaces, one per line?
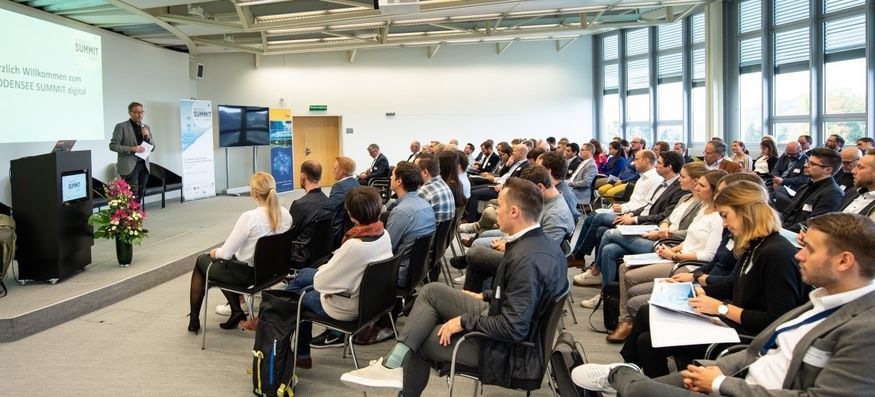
{"x":344,"y":168}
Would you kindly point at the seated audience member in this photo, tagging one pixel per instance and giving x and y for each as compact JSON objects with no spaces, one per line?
{"x":366,"y":242}
{"x":628,"y":174}
{"x":714,"y":156}
{"x":581,"y":179}
{"x":435,"y":190}
{"x":823,"y":347}
{"x":487,"y":160}
{"x":555,"y":163}
{"x":596,"y":224}
{"x":490,"y":191}
{"x":658,"y":207}
{"x":767,"y":284}
{"x":845,"y":177}
{"x":675,"y":225}
{"x":804,"y":143}
{"x":636,"y":284}
{"x":820,"y":195}
{"x":861,"y":199}
{"x":788,"y":172}
{"x":764,"y":164}
{"x":529,"y":276}
{"x":451,"y":172}
{"x":598,"y":155}
{"x":681,"y":149}
{"x":741,"y":156}
{"x":659,"y":147}
{"x":572,"y":158}
{"x":344,"y":167}
{"x":306,"y":211}
{"x":504,"y":151}
{"x":268,"y":219}
{"x":617,"y":160}
{"x":379,"y":168}
{"x":469,"y":153}
{"x":464,"y":182}
{"x":835,"y":142}
{"x":412,"y":217}
{"x":415,"y":151}
{"x":486,"y":252}
{"x":866,"y":144}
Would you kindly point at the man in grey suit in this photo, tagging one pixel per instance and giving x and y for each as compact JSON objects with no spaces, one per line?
{"x":581,"y":179}
{"x":821,"y":348}
{"x":127,"y":139}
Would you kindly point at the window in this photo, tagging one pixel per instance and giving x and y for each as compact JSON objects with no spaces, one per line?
{"x":700,"y":127}
{"x":611,"y":115}
{"x":791,"y":93}
{"x":638,"y":107}
{"x":843,"y":91}
{"x":671,"y":102}
{"x":750,"y":106}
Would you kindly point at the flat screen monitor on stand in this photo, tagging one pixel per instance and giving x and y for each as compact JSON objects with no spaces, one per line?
{"x":242,"y":126}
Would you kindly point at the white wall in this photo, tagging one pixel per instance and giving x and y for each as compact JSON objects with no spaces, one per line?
{"x":132,"y":71}
{"x":466,"y":92}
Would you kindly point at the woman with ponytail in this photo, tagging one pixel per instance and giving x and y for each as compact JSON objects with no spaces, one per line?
{"x":268,"y":219}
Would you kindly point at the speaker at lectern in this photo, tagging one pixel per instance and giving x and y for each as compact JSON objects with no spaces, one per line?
{"x":51,"y":202}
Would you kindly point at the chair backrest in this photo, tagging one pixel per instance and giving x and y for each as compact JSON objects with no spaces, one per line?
{"x":321,"y":240}
{"x":627,"y":193}
{"x":441,"y":241}
{"x":374,"y":297}
{"x":273,"y":257}
{"x":549,"y":326}
{"x":418,"y":265}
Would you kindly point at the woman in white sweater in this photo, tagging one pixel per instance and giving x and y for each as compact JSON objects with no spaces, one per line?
{"x":268,"y":219}
{"x":335,"y":293}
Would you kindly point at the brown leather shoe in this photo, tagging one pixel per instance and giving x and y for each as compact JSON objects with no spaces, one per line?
{"x":574,"y":262}
{"x":624,"y":329}
{"x":467,"y":242}
{"x":304,"y":363}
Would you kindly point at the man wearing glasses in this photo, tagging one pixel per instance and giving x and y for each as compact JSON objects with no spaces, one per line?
{"x":820,"y":195}
{"x":845,"y":177}
{"x":127,"y":140}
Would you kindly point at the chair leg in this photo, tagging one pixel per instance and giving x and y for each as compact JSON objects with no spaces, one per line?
{"x":346,"y":343}
{"x":392,"y":321}
{"x":295,"y":350}
{"x":571,"y":310}
{"x":355,"y":361}
{"x":206,"y":306}
{"x":446,"y":272}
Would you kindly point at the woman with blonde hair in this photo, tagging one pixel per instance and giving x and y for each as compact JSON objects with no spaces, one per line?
{"x":767,"y":282}
{"x":267,"y":219}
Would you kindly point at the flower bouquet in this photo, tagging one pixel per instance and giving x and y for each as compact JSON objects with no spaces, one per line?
{"x":122,"y":221}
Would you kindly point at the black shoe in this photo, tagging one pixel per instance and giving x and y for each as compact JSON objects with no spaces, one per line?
{"x":327,"y":339}
{"x":233,"y":321}
{"x":459,"y":262}
{"x":194,"y":324}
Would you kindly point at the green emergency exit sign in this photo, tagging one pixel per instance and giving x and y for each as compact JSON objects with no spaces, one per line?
{"x":318,"y":108}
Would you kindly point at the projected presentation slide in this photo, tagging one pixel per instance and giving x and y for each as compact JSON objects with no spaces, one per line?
{"x":51,"y":83}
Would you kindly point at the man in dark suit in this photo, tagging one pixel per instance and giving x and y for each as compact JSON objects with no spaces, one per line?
{"x":379,"y":168}
{"x":415,"y":151}
{"x":820,"y":195}
{"x":860,"y":199}
{"x":306,"y":211}
{"x":819,"y":348}
{"x":788,"y":172}
{"x":681,"y":149}
{"x":845,"y":177}
{"x":127,"y":139}
{"x":572,"y":158}
{"x":487,"y":160}
{"x":344,"y":167}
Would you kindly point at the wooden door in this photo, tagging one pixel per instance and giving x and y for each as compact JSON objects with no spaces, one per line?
{"x":316,"y":138}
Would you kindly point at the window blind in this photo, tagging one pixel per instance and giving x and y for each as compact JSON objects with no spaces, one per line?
{"x":669,"y":36}
{"x":637,"y":72}
{"x":698,"y":28}
{"x":610,"y":47}
{"x":636,"y":41}
{"x":750,"y":51}
{"x":790,"y":11}
{"x":838,"y":5}
{"x":791,"y":46}
{"x":670,"y":65}
{"x":845,"y":34}
{"x":612,"y":76}
{"x":699,"y":64}
{"x":750,"y":16}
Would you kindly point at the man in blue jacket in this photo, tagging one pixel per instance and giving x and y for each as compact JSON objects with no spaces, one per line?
{"x":531,"y":274}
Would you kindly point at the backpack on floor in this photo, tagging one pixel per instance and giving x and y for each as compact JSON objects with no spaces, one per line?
{"x":610,"y":299}
{"x":273,"y":354}
{"x":7,"y":247}
{"x":567,"y":354}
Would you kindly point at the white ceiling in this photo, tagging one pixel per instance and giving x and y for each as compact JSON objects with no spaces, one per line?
{"x":269,"y":27}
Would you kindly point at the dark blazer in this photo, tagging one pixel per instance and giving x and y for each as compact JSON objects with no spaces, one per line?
{"x":334,"y":204}
{"x":123,"y":139}
{"x":812,"y":199}
{"x":793,"y":173}
{"x":845,"y":335}
{"x":845,"y":180}
{"x":850,"y":196}
{"x":490,"y":163}
{"x":305,"y":212}
{"x":663,"y":206}
{"x":380,"y":168}
{"x":519,"y":170}
{"x":572,"y":166}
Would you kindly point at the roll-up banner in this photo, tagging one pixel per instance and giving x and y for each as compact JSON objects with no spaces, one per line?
{"x":281,"y":157}
{"x":198,"y":174}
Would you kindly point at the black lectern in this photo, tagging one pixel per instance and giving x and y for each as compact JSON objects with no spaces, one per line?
{"x":51,"y":200}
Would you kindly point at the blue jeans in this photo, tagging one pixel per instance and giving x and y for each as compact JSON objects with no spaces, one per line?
{"x":309,"y":301}
{"x":613,"y":247}
{"x":594,"y":226}
{"x":485,"y":238}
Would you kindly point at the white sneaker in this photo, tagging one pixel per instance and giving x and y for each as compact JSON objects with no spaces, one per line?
{"x":595,"y":376}
{"x":459,"y":280}
{"x":225,"y":310}
{"x":587,"y":279}
{"x":374,"y":377}
{"x":591,"y":302}
{"x":469,"y":228}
